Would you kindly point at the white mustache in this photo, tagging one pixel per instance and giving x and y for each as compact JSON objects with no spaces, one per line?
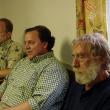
{"x":75,"y":69}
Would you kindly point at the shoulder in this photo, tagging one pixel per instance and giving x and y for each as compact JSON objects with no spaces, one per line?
{"x":105,"y":95}
{"x":55,"y":63}
{"x":15,"y":44}
{"x":51,"y":63}
{"x":56,"y":66}
{"x":105,"y":87}
{"x":15,"y":47}
{"x":22,"y":61}
{"x":51,"y":67}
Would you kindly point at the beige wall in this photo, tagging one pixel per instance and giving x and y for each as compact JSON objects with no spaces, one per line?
{"x":1,"y":8}
{"x":57,"y":15}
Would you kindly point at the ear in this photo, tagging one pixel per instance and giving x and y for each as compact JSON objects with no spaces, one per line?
{"x":100,"y":59}
{"x":9,"y":34}
{"x":45,"y":45}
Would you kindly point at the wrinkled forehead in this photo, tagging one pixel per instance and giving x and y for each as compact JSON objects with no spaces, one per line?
{"x":82,"y":46}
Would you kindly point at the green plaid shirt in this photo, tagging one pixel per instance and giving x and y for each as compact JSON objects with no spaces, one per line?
{"x":41,"y":81}
{"x":10,"y":53}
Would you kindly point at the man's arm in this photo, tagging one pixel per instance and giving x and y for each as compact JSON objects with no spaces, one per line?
{"x":3,"y":87}
{"x":4,"y":72}
{"x":14,"y":55}
{"x":1,"y":95}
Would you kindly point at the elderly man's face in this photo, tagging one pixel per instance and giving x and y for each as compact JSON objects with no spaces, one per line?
{"x":85,"y":66}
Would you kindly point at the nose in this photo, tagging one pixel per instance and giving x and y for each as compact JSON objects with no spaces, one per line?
{"x":76,"y":63}
{"x":26,"y":46}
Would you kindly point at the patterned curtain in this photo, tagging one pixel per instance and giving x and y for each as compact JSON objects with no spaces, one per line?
{"x":108,"y":19}
{"x":91,"y":16}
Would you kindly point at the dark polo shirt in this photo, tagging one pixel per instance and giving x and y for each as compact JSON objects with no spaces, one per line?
{"x":97,"y":98}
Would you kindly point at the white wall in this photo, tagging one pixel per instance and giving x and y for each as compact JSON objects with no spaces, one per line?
{"x":57,"y":15}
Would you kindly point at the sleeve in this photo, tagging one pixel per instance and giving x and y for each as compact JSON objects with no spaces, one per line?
{"x":48,"y":88}
{"x":3,"y":85}
{"x":105,"y":105}
{"x":14,"y":55}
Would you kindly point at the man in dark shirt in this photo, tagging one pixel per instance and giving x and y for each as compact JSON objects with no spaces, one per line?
{"x":91,"y":88}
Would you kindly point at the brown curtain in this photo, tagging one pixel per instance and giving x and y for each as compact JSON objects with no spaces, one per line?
{"x":90,"y":16}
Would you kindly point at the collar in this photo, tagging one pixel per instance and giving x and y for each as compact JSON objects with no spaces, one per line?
{"x":6,"y":42}
{"x":42,"y":57}
{"x":96,"y":87}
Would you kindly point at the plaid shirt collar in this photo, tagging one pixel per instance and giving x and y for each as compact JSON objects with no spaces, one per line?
{"x":42,"y":57}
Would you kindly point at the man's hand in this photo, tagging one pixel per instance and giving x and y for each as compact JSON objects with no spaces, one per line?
{"x":23,"y":106}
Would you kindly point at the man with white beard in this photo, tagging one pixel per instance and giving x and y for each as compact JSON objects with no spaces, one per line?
{"x":91,"y":88}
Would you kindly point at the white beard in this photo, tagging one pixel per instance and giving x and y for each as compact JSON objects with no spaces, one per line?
{"x":88,"y":75}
